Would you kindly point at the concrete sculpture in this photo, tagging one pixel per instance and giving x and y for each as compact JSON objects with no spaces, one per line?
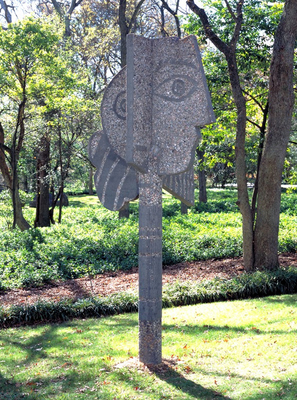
{"x":151,"y":112}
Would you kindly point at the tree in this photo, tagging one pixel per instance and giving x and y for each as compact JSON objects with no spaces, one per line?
{"x":126,"y":24}
{"x":33,"y":79}
{"x":6,"y":10}
{"x":42,"y":185}
{"x":255,"y":242}
{"x":96,"y":37}
{"x":281,"y":102}
{"x":63,"y":9}
{"x":23,"y":47}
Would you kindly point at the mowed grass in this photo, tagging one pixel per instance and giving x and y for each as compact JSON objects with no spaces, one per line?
{"x":232,"y":350}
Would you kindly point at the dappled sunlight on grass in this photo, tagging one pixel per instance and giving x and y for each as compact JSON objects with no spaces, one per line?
{"x":232,"y":350}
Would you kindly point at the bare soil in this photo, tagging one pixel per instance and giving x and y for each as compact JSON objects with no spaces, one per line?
{"x":108,"y":283}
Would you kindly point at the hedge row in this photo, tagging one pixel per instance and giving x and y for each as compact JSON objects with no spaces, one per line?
{"x":258,"y":284}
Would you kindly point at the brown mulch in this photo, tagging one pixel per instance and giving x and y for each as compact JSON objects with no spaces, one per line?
{"x":108,"y":283}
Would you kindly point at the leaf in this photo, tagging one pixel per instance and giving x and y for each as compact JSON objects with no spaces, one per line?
{"x":188,"y":369}
{"x":66,"y":364}
{"x":30,"y":383}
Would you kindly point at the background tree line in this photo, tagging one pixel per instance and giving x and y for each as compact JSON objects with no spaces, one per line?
{"x":51,"y":87}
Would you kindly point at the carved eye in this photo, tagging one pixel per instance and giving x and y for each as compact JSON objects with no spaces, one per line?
{"x":176,"y":88}
{"x":119,"y":105}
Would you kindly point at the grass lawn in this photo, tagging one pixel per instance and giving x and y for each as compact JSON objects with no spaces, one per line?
{"x":232,"y":350}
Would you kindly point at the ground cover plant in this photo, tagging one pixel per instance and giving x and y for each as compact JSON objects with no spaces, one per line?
{"x":92,"y":240}
{"x":241,"y":350}
{"x":258,"y":284}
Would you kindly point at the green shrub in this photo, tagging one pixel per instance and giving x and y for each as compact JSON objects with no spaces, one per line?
{"x":259,"y":284}
{"x":92,"y":240}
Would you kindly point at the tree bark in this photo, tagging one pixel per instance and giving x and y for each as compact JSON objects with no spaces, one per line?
{"x":91,"y":192}
{"x":7,"y":13}
{"x":183,"y":208}
{"x":19,"y":219}
{"x":124,"y":30}
{"x":124,"y":211}
{"x":281,"y":102}
{"x":42,"y":218}
{"x":229,"y":50}
{"x":11,"y":180}
{"x":202,"y":178}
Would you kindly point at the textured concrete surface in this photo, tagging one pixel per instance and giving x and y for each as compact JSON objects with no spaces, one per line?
{"x":115,"y":181}
{"x":167,"y":102}
{"x":151,"y":112}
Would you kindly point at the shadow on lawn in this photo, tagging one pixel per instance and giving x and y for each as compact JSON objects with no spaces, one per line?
{"x":9,"y":390}
{"x":285,"y":299}
{"x":201,"y":330}
{"x":169,"y":375}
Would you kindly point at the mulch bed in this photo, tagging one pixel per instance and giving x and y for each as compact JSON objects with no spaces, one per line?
{"x":108,"y":283}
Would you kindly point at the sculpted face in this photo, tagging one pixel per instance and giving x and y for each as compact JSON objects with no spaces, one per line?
{"x":167,"y":102}
{"x":176,"y":115}
{"x":151,"y":114}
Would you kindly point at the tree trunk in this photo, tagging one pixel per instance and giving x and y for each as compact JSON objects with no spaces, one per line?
{"x":124,"y":30}
{"x":242,"y":191}
{"x":202,"y":178}
{"x":229,"y":50}
{"x":11,"y":181}
{"x":183,"y":208}
{"x":281,"y":102}
{"x":124,"y":211}
{"x":126,"y":26}
{"x":67,"y":31}
{"x":91,"y":192}
{"x":19,"y":217}
{"x":42,"y":199}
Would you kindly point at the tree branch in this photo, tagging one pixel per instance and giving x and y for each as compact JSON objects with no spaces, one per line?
{"x":230,"y":10}
{"x":239,"y":20}
{"x":254,"y":98}
{"x":73,"y":5}
{"x":253,"y":123}
{"x":57,"y":7}
{"x":134,"y":15}
{"x":174,"y":14}
{"x":7,"y":13}
{"x":220,"y":44}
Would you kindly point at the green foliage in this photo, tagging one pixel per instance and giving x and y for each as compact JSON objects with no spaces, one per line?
{"x":68,"y":309}
{"x":253,"y":54}
{"x":39,"y":71}
{"x":258,"y":284}
{"x":92,"y":240}
{"x":6,"y":198}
